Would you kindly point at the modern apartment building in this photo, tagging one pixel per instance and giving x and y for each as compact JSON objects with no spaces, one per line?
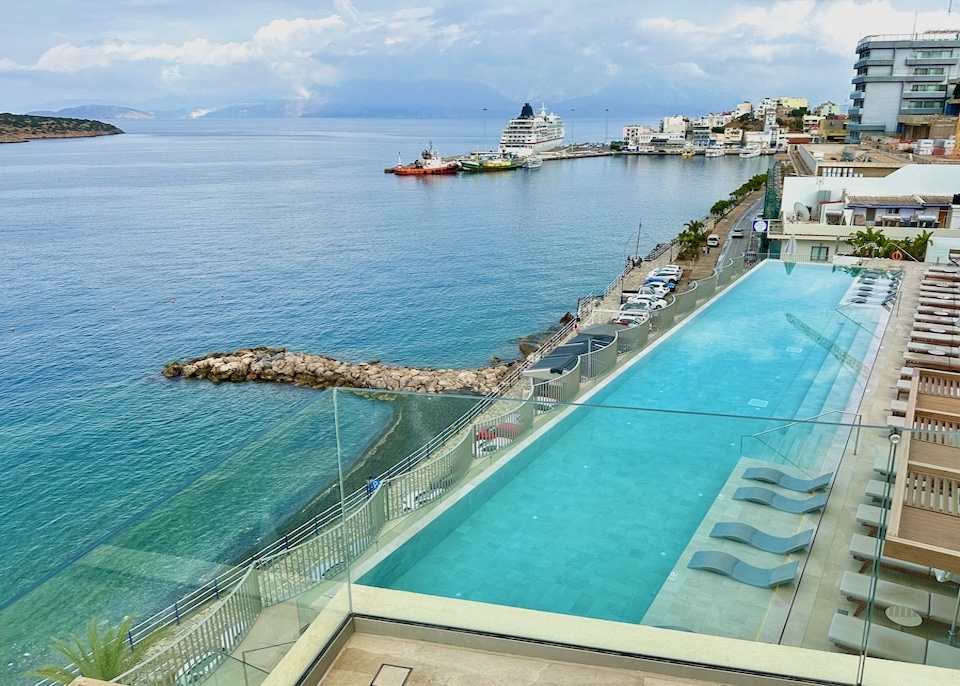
{"x":901,"y":82}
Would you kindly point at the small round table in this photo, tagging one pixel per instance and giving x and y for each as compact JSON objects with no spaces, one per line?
{"x":936,"y":351}
{"x":903,"y":616}
{"x":937,"y":330}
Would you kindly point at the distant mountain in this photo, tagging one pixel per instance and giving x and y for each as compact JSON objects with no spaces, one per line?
{"x":97,"y":112}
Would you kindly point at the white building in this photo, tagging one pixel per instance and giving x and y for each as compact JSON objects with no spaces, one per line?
{"x":827,"y":108}
{"x":742,"y":109}
{"x":822,"y":212}
{"x":901,"y":82}
{"x":674,"y":124}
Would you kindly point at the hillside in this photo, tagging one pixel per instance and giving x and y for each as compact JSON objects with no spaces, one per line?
{"x":16,"y":128}
{"x":97,"y":112}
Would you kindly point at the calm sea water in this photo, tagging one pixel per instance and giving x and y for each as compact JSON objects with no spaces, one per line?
{"x":120,"y":489}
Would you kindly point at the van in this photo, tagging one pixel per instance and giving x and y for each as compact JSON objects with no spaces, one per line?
{"x":713,"y":240}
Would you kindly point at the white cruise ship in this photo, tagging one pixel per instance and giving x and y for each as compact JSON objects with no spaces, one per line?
{"x":530,"y":133}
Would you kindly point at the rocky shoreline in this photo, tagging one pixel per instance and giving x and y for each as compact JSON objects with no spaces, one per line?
{"x":278,"y":365}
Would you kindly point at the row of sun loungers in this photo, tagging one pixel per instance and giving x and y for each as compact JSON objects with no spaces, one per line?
{"x":847,"y":632}
{"x":732,"y":566}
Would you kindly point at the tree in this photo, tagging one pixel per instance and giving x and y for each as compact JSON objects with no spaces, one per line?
{"x":720,"y":207}
{"x":99,"y":656}
{"x":869,"y":242}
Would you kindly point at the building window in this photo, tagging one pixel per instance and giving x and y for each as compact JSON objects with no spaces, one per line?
{"x":927,"y":88}
{"x":928,"y":71}
{"x":861,"y":88}
{"x":932,"y":54}
{"x":819,"y":253}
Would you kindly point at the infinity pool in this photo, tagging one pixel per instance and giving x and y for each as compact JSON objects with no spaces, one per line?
{"x":591,"y":518}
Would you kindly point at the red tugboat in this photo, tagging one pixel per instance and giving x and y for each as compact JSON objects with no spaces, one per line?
{"x":430,"y":162}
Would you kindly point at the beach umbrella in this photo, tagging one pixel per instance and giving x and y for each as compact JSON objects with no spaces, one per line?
{"x":789,"y":252}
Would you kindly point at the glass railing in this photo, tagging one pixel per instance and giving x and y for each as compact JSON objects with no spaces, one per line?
{"x":673,"y":521}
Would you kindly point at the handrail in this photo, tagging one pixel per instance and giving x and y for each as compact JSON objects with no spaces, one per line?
{"x":807,"y":420}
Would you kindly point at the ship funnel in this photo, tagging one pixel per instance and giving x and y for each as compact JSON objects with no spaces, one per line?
{"x":526,"y":111}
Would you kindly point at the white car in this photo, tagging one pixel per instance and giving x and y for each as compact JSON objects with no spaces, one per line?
{"x":669,"y":272}
{"x":631,"y":318}
{"x":644,"y":303}
{"x":736,"y":233}
{"x":658,"y":290}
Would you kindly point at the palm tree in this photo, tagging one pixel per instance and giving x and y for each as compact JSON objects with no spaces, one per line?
{"x":870,"y":241}
{"x":99,"y":656}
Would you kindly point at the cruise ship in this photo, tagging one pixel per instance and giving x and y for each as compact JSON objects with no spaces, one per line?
{"x":530,"y":133}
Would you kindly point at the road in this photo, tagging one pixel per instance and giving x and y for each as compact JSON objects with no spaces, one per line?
{"x":735,"y":246}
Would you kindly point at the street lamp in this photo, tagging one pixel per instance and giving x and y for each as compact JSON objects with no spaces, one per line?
{"x":572,"y":110}
{"x":484,"y":126}
{"x":606,"y":125}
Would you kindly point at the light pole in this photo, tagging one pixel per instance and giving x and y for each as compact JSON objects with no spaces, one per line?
{"x":484,"y":126}
{"x":606,"y":126}
{"x":572,"y":110}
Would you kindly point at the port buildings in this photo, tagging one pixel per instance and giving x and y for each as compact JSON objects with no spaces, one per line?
{"x":904,"y":84}
{"x":722,"y":129}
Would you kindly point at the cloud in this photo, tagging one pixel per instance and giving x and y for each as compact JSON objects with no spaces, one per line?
{"x":534,"y":49}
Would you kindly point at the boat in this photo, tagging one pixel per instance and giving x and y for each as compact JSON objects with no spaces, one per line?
{"x":489,"y":162}
{"x":751,"y":151}
{"x":715,"y":152}
{"x":532,"y":162}
{"x":540,"y":131}
{"x":430,"y":162}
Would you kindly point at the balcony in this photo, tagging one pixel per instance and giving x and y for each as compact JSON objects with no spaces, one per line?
{"x":924,"y":95}
{"x":866,"y":126}
{"x":873,"y":62}
{"x":856,"y":95}
{"x":914,"y":111}
{"x":931,"y":61}
{"x":853,"y":110}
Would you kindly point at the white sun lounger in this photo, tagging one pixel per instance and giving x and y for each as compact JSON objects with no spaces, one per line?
{"x":934,"y":606}
{"x":881,"y":467}
{"x":864,"y":550}
{"x":877,"y":490}
{"x":847,"y":632}
{"x":869,"y":516}
{"x":856,"y":588}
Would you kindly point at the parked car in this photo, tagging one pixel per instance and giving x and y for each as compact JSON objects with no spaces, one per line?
{"x":670,"y":272}
{"x":662,"y":280}
{"x":631,"y":318}
{"x":653,"y":289}
{"x":644,"y":303}
{"x":713,"y":241}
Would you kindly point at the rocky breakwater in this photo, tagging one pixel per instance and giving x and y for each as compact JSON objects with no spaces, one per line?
{"x":281,"y":366}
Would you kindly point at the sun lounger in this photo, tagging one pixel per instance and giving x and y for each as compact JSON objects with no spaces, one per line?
{"x":882,"y":467}
{"x":869,"y":516}
{"x":847,"y":632}
{"x":744,"y":533}
{"x":856,"y":588}
{"x":934,"y":338}
{"x":933,"y":606}
{"x":864,"y":550}
{"x":764,"y":496}
{"x":775,"y":476}
{"x":877,"y":490}
{"x":942,"y":655}
{"x":735,"y":568}
{"x":898,"y":407}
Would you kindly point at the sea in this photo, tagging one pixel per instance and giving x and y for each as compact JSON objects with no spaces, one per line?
{"x":121,"y":490}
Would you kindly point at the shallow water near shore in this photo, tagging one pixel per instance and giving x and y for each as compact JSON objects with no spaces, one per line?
{"x":122,"y":489}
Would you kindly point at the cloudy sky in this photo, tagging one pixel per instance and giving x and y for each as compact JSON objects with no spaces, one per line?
{"x":152,"y":53}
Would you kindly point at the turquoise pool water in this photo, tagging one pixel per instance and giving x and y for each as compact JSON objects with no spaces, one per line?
{"x":592,"y":518}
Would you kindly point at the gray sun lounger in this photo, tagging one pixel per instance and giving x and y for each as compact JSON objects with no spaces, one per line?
{"x":764,"y":496}
{"x":735,"y":568}
{"x":775,"y":476}
{"x":744,"y":533}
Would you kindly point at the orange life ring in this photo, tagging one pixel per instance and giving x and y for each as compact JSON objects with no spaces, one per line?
{"x":897,"y":255}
